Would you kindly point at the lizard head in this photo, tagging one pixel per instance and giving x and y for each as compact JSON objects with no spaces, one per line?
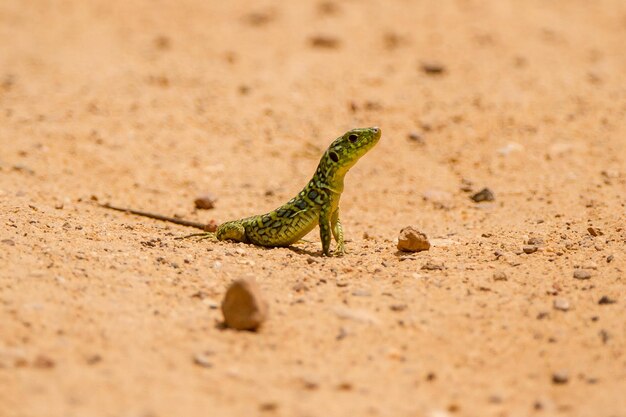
{"x":348,"y":148}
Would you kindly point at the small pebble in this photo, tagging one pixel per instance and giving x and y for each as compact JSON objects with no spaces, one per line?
{"x":466,"y":185}
{"x":342,"y":334}
{"x":398,"y":307}
{"x":203,"y":359}
{"x":412,"y":240}
{"x":372,"y":105}
{"x":560,"y":377}
{"x":162,"y":42}
{"x":582,"y":274}
{"x":528,"y":249}
{"x":499,"y":276}
{"x":268,"y":406}
{"x":604,"y":336}
{"x":416,"y":137}
{"x":327,"y":8}
{"x":432,"y":67}
{"x":93,"y":359}
{"x":594,"y":231}
{"x":259,"y":18}
{"x":345,"y":386}
{"x":324,"y":41}
{"x":243,"y":306}
{"x":392,"y":40}
{"x":483,"y":195}
{"x":310,"y":384}
{"x":537,"y":241}
{"x":8,"y":242}
{"x":561,"y":304}
{"x":604,"y":300}
{"x":205,"y":202}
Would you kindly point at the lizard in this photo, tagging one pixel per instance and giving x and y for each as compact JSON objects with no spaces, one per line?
{"x":317,"y":203}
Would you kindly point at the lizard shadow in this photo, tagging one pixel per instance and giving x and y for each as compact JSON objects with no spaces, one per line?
{"x":222,"y":326}
{"x":301,"y":251}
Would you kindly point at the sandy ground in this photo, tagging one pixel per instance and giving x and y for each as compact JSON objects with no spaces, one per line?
{"x":150,"y":103}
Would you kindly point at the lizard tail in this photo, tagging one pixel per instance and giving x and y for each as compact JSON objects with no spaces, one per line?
{"x":208,"y":228}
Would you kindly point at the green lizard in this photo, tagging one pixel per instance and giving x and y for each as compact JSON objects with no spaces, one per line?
{"x":316,"y":204}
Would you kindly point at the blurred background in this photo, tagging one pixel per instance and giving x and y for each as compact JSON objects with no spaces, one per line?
{"x":148,"y":104}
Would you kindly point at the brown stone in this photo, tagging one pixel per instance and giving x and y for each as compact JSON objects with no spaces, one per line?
{"x":412,"y":240}
{"x":483,"y":195}
{"x":528,"y":249}
{"x":243,"y":306}
{"x":205,"y":202}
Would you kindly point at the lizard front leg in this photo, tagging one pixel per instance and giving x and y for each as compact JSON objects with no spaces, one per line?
{"x":325,"y":233}
{"x":337,"y":229}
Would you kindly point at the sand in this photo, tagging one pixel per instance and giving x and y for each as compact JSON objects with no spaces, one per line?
{"x":150,"y":104}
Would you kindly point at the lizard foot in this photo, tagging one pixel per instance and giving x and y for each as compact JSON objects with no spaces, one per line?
{"x":340,"y":251}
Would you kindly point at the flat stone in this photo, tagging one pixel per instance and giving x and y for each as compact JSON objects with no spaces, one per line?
{"x":582,"y":274}
{"x":561,"y":304}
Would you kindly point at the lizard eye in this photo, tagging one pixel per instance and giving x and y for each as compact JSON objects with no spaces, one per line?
{"x":334,"y":156}
{"x":353,"y":138}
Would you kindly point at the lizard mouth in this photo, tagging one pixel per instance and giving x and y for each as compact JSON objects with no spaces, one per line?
{"x":377,"y":133}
